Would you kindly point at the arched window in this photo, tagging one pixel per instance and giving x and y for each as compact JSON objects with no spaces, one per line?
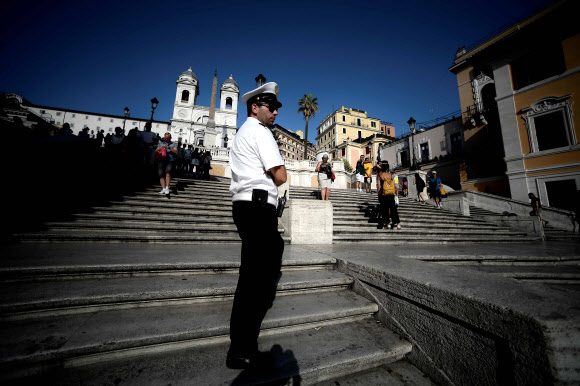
{"x":185,"y":96}
{"x":203,"y":119}
{"x":228,"y":103}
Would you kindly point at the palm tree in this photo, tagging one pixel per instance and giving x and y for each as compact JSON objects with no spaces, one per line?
{"x":308,"y":106}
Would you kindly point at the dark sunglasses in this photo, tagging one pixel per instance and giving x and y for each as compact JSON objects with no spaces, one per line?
{"x":272,"y":108}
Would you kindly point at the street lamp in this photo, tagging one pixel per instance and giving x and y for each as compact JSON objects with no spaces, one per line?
{"x":226,"y":139}
{"x":411,"y":123}
{"x":126,"y":116}
{"x":260,"y":80}
{"x":154,"y":103}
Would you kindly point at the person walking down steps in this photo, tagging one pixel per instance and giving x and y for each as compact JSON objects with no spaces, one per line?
{"x":257,"y":171}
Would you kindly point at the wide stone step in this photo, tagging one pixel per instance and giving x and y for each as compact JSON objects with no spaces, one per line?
{"x":70,"y":236}
{"x":418,"y":223}
{"x":307,"y":356}
{"x":21,"y":262}
{"x":52,"y":297}
{"x":166,"y":219}
{"x":393,"y":237}
{"x":27,"y":344}
{"x":427,"y":231}
{"x":157,"y":228}
{"x":143,"y":209}
{"x":345,"y":226}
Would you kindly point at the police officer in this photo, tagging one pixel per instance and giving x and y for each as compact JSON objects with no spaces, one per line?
{"x":257,"y":170}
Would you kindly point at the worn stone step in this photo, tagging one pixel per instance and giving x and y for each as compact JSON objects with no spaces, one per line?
{"x":165,"y":219}
{"x":156,"y":228}
{"x":29,"y":343}
{"x":144,"y":209}
{"x":399,"y":373}
{"x":417,"y":221}
{"x":138,"y":211}
{"x":304,"y":357}
{"x":65,"y":261}
{"x":92,"y":294}
{"x":423,"y":228}
{"x":68,"y":236}
{"x":338,"y":231}
{"x":391,"y":237}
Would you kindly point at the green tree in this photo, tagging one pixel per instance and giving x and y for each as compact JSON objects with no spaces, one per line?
{"x":308,"y":106}
{"x":347,"y":165}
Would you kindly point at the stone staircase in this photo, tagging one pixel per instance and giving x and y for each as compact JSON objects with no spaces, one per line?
{"x":421,"y":223}
{"x":196,"y":212}
{"x":74,"y":314}
{"x":199,"y":212}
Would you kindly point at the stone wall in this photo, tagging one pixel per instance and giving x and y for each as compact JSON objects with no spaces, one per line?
{"x":472,"y":328}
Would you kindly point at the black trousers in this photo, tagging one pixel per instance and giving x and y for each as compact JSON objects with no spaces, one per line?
{"x":388,"y":210}
{"x":262,"y":249}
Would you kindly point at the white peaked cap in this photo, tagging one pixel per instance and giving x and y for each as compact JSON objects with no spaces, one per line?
{"x":270,"y":90}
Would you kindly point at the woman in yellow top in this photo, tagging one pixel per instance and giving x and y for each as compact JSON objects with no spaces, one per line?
{"x":368,"y":174}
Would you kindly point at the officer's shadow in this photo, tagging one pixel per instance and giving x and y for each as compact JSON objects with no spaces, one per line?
{"x":282,"y":368}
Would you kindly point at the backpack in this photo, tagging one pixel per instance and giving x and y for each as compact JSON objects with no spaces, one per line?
{"x":388,"y":187}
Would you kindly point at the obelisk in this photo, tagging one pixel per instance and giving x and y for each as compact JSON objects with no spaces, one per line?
{"x":211,"y":119}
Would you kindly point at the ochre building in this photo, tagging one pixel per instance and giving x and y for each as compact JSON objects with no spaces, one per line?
{"x":518,"y":91}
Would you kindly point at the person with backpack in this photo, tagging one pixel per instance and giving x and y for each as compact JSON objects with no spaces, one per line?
{"x":387,"y":200}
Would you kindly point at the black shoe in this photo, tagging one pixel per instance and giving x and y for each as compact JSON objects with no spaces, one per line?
{"x":256,"y":360}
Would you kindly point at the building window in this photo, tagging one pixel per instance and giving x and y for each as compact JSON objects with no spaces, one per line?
{"x":373,"y":124}
{"x":456,"y":143}
{"x":343,"y":152}
{"x":559,"y":193}
{"x":72,"y":125}
{"x":359,"y":134}
{"x":58,"y":113}
{"x":111,"y":120}
{"x":549,"y":123}
{"x":344,"y":130}
{"x":99,"y":118}
{"x":229,"y":103}
{"x":86,"y":117}
{"x":98,"y":128}
{"x":42,"y":111}
{"x":185,"y":96}
{"x":425,"y":151}
{"x":58,"y":122}
{"x":358,"y":121}
{"x":110,"y":129}
{"x":532,"y":67}
{"x":74,"y":115}
{"x":134,"y":123}
{"x":344,"y":118}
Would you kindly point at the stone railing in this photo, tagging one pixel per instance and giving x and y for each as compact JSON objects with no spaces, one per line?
{"x":559,"y":218}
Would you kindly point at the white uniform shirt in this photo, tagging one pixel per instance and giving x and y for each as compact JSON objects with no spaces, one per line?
{"x":254,"y":149}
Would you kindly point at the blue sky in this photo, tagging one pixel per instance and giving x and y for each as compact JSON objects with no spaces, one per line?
{"x":390,"y":59}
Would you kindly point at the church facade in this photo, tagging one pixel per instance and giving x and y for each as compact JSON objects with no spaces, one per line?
{"x":201,"y":125}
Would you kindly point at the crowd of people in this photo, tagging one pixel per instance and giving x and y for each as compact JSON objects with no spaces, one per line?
{"x":389,"y":185}
{"x":145,"y":153}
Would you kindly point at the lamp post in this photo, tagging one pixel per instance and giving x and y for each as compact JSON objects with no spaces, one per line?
{"x":411,"y":123}
{"x":126,"y":116}
{"x":154,"y":103}
{"x":226,"y":139}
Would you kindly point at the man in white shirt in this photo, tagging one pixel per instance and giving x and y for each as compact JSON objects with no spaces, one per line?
{"x":257,"y":171}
